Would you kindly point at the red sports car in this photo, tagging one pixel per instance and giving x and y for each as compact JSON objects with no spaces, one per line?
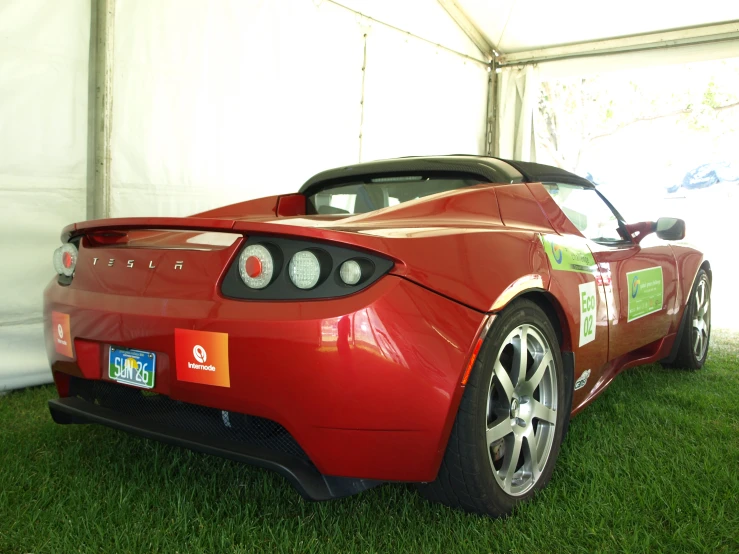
{"x":434,"y":319}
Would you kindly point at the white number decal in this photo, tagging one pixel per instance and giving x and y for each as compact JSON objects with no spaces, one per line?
{"x":588,"y":304}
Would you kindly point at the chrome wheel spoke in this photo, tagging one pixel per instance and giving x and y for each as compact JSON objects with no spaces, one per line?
{"x":698,"y":325}
{"x":699,"y":295}
{"x":532,"y":383}
{"x":499,"y":430}
{"x":544,"y":413}
{"x":509,"y":466}
{"x":504,"y":380}
{"x":531,"y":453}
{"x":704,"y":309}
{"x":520,"y":360}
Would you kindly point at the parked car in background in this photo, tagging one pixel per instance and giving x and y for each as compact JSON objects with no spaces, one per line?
{"x":707,"y":175}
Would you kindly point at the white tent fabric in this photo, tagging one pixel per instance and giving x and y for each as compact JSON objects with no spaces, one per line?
{"x":420,"y":101}
{"x":518,"y":96}
{"x":232,"y":100}
{"x":522,"y":25}
{"x":518,"y":87}
{"x":423,"y":18}
{"x":43,"y":131}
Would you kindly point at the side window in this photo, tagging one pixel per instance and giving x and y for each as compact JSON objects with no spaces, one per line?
{"x":587,"y":211}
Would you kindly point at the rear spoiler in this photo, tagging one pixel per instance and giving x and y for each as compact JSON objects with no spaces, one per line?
{"x":127,"y":223}
{"x":225,"y":218}
{"x":243,"y":227}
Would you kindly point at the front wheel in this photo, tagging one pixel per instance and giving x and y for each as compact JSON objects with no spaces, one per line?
{"x":693,"y":348}
{"x":509,"y":427}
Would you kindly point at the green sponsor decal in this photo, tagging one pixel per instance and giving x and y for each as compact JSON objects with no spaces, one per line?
{"x":645,"y":293}
{"x":566,"y":255}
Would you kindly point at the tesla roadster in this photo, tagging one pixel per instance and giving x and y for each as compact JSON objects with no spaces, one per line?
{"x":434,"y":320}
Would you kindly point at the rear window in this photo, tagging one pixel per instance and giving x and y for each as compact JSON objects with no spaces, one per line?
{"x":375,"y":193}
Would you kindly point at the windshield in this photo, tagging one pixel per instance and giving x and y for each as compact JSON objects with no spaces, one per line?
{"x":588,"y":211}
{"x":380,"y":192}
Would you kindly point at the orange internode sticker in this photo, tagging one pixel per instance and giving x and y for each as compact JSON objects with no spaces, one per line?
{"x":61,"y":334}
{"x":202,"y":357}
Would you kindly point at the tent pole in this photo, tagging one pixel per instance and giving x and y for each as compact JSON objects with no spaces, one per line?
{"x":491,"y":134}
{"x":405,"y":33}
{"x":361,"y":103}
{"x":99,"y":107}
{"x":486,"y":48}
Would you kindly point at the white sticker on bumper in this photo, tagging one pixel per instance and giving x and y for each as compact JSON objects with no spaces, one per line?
{"x":582,"y":381}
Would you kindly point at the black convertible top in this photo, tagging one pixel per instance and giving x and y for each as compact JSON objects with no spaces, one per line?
{"x":487,"y":168}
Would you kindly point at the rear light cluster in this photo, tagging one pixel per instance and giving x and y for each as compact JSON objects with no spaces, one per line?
{"x":275,"y":269}
{"x":256,"y":266}
{"x":65,"y":259}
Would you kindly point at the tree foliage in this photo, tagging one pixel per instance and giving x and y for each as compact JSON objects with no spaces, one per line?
{"x":575,"y":112}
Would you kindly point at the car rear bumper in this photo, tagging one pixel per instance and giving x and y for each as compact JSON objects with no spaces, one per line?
{"x":367,"y":385}
{"x":303,"y":475}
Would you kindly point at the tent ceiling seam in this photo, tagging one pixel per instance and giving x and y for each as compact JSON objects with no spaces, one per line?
{"x":505,"y":25}
{"x":692,"y":36}
{"x":468,"y":27}
{"x":409,"y":34}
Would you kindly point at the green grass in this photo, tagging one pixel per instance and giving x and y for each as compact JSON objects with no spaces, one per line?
{"x":652,"y":465}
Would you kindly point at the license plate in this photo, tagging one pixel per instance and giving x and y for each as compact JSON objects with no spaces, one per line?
{"x":132,"y":367}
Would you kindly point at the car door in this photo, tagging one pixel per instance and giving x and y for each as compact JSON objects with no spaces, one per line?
{"x":639,"y":278}
{"x":644,"y":289}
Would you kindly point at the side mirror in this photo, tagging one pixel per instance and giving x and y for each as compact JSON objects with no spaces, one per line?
{"x":670,"y":228}
{"x":667,"y":228}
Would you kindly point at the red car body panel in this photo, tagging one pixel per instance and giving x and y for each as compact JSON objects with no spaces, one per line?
{"x":360,"y":402}
{"x":368,"y":384}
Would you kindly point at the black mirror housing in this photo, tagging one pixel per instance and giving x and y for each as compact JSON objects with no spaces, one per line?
{"x":670,"y":228}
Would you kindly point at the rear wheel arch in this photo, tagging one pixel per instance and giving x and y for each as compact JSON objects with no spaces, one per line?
{"x":556,"y":315}
{"x":706,"y":266}
{"x":553,"y":309}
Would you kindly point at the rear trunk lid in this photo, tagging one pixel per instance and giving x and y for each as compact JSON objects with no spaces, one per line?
{"x":159,"y":263}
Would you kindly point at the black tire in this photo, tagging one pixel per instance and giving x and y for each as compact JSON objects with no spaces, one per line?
{"x":466,"y":479}
{"x":687,"y":357}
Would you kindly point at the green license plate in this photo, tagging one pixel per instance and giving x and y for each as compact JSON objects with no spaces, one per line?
{"x":132,"y":367}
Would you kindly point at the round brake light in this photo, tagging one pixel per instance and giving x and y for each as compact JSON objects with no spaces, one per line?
{"x":65,"y":259}
{"x":253,"y":267}
{"x":304,"y":269}
{"x":256,"y":266}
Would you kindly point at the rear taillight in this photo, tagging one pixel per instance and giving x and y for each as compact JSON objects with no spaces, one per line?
{"x":65,"y":259}
{"x":350,"y":272}
{"x":304,"y":269}
{"x":276,"y":268}
{"x":256,"y":266}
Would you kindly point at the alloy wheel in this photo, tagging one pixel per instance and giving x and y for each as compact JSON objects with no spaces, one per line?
{"x":701,"y":319}
{"x":521,"y":410}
